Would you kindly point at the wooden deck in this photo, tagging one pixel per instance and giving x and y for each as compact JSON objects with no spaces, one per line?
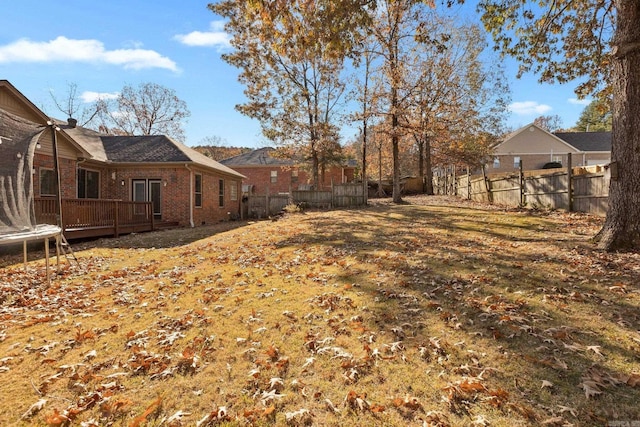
{"x":96,"y":217}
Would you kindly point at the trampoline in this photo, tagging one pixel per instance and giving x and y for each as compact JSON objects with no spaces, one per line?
{"x":18,"y":142}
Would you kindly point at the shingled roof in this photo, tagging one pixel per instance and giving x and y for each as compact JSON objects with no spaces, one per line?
{"x":140,"y":149}
{"x":587,"y":141}
{"x":259,"y":157}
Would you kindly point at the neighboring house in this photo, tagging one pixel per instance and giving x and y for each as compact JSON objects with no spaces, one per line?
{"x":183,"y":187}
{"x":536,"y":147}
{"x":267,"y":174}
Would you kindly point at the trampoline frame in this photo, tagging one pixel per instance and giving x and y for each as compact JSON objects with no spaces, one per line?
{"x":41,"y":232}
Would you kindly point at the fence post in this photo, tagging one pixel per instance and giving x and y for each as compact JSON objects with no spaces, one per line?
{"x":570,"y":182}
{"x":454,"y":184}
{"x":332,"y":194}
{"x":267,"y":203}
{"x":521,"y":177}
{"x":487,"y":185}
{"x":468,"y":183}
{"x":290,"y":200}
{"x":365,"y":191}
{"x":447,"y":183}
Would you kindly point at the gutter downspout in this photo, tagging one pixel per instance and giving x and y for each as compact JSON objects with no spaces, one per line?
{"x":191,"y":223}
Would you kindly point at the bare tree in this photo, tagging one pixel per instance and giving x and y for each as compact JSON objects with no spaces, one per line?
{"x":218,"y":148}
{"x":149,"y":109}
{"x":549,"y":123}
{"x":72,"y":107}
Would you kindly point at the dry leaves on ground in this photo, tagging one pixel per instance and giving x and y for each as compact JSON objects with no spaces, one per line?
{"x":436,"y":312}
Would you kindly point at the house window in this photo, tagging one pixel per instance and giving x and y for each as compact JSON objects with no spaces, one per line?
{"x":233,"y":190}
{"x":88,"y":184}
{"x":221,"y":193}
{"x":197,"y":189}
{"x":47,"y":182}
{"x":496,"y":162}
{"x":557,"y":159}
{"x":274,"y":177}
{"x":516,"y":162}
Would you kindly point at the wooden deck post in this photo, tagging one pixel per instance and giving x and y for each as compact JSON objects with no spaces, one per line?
{"x":116,"y":220}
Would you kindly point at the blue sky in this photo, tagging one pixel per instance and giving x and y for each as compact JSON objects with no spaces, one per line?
{"x":102,"y":46}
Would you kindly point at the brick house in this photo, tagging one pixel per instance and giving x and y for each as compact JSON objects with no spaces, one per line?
{"x":181,"y":186}
{"x":535,"y":147}
{"x":267,"y":174}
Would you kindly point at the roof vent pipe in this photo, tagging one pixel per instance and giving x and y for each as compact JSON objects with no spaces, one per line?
{"x":72,"y":122}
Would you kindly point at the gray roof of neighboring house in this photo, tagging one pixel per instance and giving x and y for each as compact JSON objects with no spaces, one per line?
{"x":263,"y":157}
{"x":587,"y":141}
{"x":259,"y":157}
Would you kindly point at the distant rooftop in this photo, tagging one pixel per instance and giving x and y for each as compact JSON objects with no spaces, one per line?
{"x":587,"y":141}
{"x":259,"y":157}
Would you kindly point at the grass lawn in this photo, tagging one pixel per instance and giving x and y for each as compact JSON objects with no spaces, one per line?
{"x":436,"y":312}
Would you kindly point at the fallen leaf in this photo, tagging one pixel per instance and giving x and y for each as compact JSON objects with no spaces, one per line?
{"x":595,"y":349}
{"x":564,"y":409}
{"x":590,"y":388}
{"x":137,"y":421}
{"x":34,"y":409}
{"x":632,"y":380}
{"x":175,"y":420}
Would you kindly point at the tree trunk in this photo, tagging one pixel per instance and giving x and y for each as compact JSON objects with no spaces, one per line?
{"x":395,"y":138}
{"x":315,"y":164}
{"x":621,"y":229}
{"x":429,"y":167}
{"x":381,"y":192}
{"x":420,"y":144}
{"x":395,"y":142}
{"x":365,"y":186}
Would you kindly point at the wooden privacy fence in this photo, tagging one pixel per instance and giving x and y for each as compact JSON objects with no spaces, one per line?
{"x":340,"y":196}
{"x":580,"y":189}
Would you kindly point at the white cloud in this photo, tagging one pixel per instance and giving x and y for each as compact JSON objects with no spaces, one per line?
{"x":577,"y":101}
{"x":89,"y":96}
{"x":528,"y":107}
{"x":63,"y":49}
{"x":215,"y":37}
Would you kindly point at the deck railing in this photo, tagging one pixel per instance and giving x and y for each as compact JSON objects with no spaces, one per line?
{"x":96,"y":217}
